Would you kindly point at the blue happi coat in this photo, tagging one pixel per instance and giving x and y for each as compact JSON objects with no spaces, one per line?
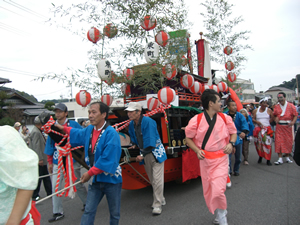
{"x":50,"y":148}
{"x":150,"y":138}
{"x":107,"y":154}
{"x":241,"y":124}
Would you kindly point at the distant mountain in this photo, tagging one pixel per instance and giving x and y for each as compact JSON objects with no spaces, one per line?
{"x":290,"y":84}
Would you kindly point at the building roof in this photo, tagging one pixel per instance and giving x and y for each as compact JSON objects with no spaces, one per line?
{"x":4,"y":80}
{"x":278,"y":89}
{"x":35,"y":112}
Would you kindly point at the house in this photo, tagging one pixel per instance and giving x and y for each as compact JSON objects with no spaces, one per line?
{"x":273,"y":92}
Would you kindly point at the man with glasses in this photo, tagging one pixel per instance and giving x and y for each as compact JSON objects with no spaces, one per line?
{"x":285,"y":117}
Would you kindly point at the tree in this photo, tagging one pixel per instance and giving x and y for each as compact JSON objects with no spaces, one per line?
{"x":221,"y":32}
{"x":127,"y":48}
{"x":49,"y":105}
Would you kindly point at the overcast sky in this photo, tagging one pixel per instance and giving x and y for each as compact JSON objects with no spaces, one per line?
{"x":29,"y":45}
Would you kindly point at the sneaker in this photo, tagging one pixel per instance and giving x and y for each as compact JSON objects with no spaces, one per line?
{"x":222,"y":217}
{"x":288,"y":160}
{"x":163,"y":202}
{"x":228,"y":185}
{"x":278,"y":162}
{"x":156,"y":211}
{"x":269,"y":163}
{"x":246,"y":163}
{"x":236,"y":174}
{"x":56,"y":216}
{"x":216,"y":221}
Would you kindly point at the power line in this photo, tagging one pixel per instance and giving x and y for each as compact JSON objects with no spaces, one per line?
{"x":14,"y":29}
{"x":21,"y":15}
{"x":5,"y":69}
{"x":25,"y":9}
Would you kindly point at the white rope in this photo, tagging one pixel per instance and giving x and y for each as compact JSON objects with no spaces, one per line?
{"x":48,"y":175}
{"x":49,"y":196}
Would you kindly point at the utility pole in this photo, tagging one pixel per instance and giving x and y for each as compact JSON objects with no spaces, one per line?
{"x":297,"y":88}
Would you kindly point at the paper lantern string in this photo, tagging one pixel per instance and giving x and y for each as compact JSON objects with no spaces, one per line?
{"x":161,"y":109}
{"x":64,"y":151}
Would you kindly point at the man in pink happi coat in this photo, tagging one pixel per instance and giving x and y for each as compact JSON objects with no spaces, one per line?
{"x":285,"y":117}
{"x":214,"y":159}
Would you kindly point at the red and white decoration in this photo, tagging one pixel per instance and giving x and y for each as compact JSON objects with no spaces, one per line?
{"x":107,"y":99}
{"x":83,"y":98}
{"x":94,"y":35}
{"x":162,"y":38}
{"x":204,"y":87}
{"x":169,"y":71}
{"x":196,"y":88}
{"x":152,"y":103}
{"x":183,"y":61}
{"x":104,"y":69}
{"x":166,"y":95}
{"x":204,"y":67}
{"x":229,"y":65}
{"x":222,"y":86}
{"x":128,"y":73}
{"x":112,"y":79}
{"x":187,"y":81}
{"x":126,"y":89}
{"x":151,"y":52}
{"x":110,"y":30}
{"x":231,"y":76}
{"x":148,"y":22}
{"x":215,"y":87}
{"x":227,"y":50}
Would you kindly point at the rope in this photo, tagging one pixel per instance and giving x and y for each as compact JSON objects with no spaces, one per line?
{"x":48,"y":175}
{"x":49,"y":196}
{"x":161,"y":109}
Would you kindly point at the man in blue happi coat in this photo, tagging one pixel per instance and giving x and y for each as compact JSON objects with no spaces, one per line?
{"x":102,"y":154}
{"x":143,"y":133}
{"x":242,"y":130}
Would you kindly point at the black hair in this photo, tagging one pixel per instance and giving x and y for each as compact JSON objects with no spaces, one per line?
{"x":229,"y":101}
{"x":207,"y":96}
{"x":252,"y":104}
{"x":81,"y":122}
{"x":282,"y":93}
{"x":102,"y":107}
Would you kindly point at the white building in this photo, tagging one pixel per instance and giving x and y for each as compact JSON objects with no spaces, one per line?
{"x":273,"y":92}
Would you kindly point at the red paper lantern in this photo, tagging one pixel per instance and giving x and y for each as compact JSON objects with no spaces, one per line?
{"x":94,"y":35}
{"x":152,"y":103}
{"x":196,"y":88}
{"x":166,"y":95}
{"x":110,"y":30}
{"x":148,"y":22}
{"x":215,"y":87}
{"x":169,"y":71}
{"x":222,"y":86}
{"x":126,"y":89}
{"x":227,"y":50}
{"x":183,"y":61}
{"x":231,"y":76}
{"x":229,"y":65}
{"x":83,"y":98}
{"x":204,"y":87}
{"x":107,"y":99}
{"x":187,"y":81}
{"x":128,"y":73}
{"x":162,"y":38}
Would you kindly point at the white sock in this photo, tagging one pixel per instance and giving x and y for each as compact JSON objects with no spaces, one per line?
{"x":280,"y":159}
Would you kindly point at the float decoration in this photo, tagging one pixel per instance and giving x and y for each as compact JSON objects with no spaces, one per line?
{"x":83,"y":98}
{"x":222,"y":86}
{"x":183,"y":61}
{"x":148,"y":22}
{"x":94,"y":35}
{"x":231,"y":76}
{"x":107,"y":99}
{"x":128,"y":73}
{"x":112,"y":79}
{"x":204,"y":87}
{"x":227,"y":50}
{"x":104,"y":69}
{"x":169,"y":71}
{"x":110,"y":30}
{"x":162,"y":38}
{"x":166,"y":95}
{"x":229,"y":65}
{"x":187,"y":81}
{"x":215,"y":87}
{"x":196,"y":88}
{"x":152,"y":103}
{"x":126,"y":89}
{"x":151,"y":52}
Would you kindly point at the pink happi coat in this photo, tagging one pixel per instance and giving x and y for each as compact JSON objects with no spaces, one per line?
{"x":284,"y":134}
{"x":214,"y":172}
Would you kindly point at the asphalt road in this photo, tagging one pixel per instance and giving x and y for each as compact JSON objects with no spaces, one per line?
{"x":260,"y":195}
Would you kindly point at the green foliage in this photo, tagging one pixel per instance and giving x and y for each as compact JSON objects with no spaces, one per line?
{"x":292,"y":84}
{"x":7,"y":121}
{"x":222,"y":32}
{"x":49,"y":105}
{"x":3,"y":97}
{"x":127,"y":48}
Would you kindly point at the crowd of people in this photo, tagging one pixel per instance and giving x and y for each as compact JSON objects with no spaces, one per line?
{"x":214,"y":136}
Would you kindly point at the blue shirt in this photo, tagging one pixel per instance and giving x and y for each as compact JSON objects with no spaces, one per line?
{"x":241,"y":124}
